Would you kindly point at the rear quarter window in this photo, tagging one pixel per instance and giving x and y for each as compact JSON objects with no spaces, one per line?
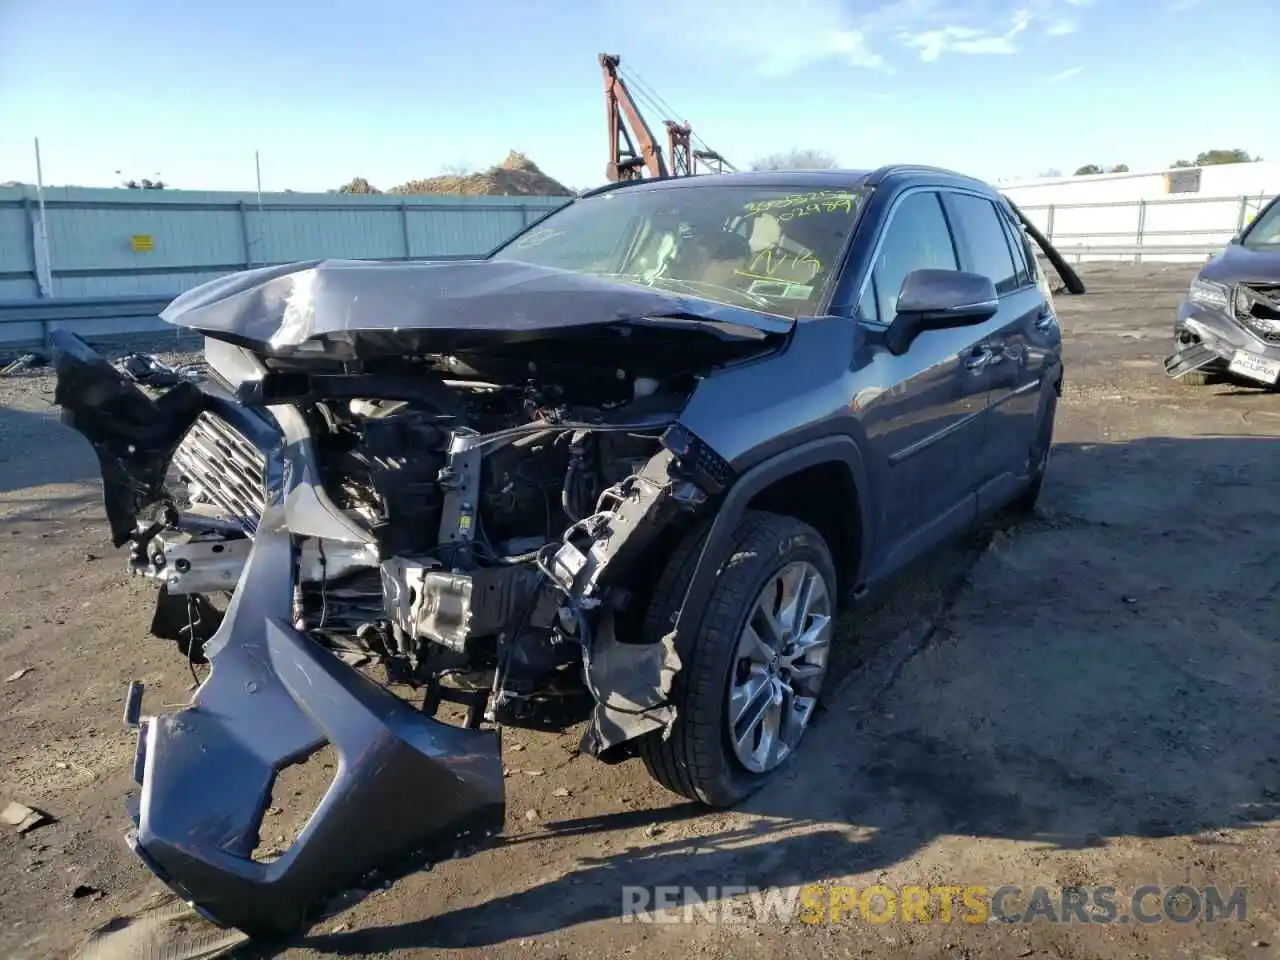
{"x":1022,"y":257}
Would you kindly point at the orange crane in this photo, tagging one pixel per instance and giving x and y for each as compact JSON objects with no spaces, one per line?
{"x":634,"y":152}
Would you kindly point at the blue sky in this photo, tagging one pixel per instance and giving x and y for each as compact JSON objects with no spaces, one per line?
{"x":396,"y":89}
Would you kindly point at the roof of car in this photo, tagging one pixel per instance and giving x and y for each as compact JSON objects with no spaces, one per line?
{"x":795,"y":179}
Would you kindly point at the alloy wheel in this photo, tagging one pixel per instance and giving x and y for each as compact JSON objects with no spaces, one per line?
{"x":779,"y":666}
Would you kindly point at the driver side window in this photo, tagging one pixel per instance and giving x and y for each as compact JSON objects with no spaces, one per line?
{"x":916,"y":238}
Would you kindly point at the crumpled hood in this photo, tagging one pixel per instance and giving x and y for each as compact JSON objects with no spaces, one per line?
{"x":284,"y":306}
{"x":1248,"y":264}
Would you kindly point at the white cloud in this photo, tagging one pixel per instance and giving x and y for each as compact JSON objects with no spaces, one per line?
{"x":932,"y":44}
{"x":832,"y":30}
{"x":852,"y":45}
{"x":1064,"y":75}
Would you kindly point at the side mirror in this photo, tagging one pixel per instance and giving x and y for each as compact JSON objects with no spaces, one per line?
{"x":937,"y":300}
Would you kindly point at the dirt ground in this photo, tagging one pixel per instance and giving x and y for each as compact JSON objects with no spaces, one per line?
{"x":1088,"y":699}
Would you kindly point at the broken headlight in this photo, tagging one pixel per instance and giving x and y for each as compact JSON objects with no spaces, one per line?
{"x":1257,"y":311}
{"x":1208,"y":293}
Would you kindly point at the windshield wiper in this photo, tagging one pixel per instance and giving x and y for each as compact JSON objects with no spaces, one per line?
{"x":695,"y":284}
{"x":754,"y":298}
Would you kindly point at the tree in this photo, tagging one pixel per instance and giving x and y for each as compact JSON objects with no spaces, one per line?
{"x":797,"y":159}
{"x":1051,"y":172}
{"x":1208,"y":158}
{"x":1119,"y":168}
{"x":143,"y":183}
{"x":358,"y":185}
{"x":1088,"y":170}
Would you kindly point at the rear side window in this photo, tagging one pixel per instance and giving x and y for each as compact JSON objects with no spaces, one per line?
{"x":916,"y":238}
{"x":984,"y":245}
{"x":1018,"y":244}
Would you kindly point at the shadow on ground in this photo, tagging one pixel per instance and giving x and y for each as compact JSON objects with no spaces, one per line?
{"x":1101,"y":671}
{"x":36,"y":449}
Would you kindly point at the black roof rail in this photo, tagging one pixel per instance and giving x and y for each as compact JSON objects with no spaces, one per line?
{"x":619,"y":184}
{"x":899,"y":168}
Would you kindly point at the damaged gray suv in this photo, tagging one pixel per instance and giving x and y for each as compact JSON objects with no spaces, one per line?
{"x":618,"y":472}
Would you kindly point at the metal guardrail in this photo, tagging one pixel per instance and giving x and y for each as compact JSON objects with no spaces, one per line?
{"x":25,"y":324}
{"x":1244,"y":207}
{"x":1138,"y":251}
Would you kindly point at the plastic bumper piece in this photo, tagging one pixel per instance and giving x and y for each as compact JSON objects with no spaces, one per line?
{"x":407,"y":787}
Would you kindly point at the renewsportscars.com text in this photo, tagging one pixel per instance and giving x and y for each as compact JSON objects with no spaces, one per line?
{"x":836,"y":903}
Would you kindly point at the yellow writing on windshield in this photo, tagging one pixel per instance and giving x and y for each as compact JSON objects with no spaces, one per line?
{"x":804,"y":204}
{"x":769,"y":263}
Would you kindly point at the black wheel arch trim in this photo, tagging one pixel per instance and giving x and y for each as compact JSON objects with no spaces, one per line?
{"x":841,"y":449}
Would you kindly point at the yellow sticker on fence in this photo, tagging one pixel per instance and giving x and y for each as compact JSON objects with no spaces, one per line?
{"x":142,"y":242}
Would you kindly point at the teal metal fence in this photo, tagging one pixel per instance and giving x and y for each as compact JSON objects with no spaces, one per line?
{"x":133,"y":243}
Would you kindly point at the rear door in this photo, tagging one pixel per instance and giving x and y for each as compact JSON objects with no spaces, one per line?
{"x":1014,"y":351}
{"x":922,"y":411}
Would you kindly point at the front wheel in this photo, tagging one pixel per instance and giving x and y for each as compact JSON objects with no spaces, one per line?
{"x":753,"y":669}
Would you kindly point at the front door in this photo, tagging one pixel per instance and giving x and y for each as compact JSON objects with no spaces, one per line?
{"x":923,"y":410}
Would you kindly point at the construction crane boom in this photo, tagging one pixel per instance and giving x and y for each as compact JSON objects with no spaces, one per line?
{"x":626,"y":162}
{"x":634,"y":152}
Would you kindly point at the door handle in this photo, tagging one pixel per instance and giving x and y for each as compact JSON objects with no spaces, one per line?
{"x":978,"y":359}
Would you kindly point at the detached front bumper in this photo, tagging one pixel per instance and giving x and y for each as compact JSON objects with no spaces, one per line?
{"x":1208,"y":338}
{"x":407,"y":787}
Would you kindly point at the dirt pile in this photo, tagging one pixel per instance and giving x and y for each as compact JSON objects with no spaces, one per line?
{"x":517,"y":176}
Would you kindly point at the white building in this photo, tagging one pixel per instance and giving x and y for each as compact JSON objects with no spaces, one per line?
{"x":1177,"y":214}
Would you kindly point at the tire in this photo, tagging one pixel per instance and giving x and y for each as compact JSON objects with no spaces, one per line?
{"x":697,"y":759}
{"x":1196,"y":378}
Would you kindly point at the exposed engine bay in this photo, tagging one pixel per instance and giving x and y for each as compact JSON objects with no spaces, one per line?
{"x":474,"y":501}
{"x":472,"y":530}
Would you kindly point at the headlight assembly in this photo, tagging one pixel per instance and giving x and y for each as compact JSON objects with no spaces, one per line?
{"x":1208,"y":293}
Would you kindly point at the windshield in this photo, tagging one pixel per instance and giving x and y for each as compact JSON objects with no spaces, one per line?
{"x":764,"y":247}
{"x":1265,"y":230}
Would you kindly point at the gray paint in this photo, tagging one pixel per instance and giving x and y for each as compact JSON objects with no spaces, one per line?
{"x":404,"y":782}
{"x":406,"y":303}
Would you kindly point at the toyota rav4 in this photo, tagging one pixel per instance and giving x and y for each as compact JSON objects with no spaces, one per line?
{"x":617,"y":472}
